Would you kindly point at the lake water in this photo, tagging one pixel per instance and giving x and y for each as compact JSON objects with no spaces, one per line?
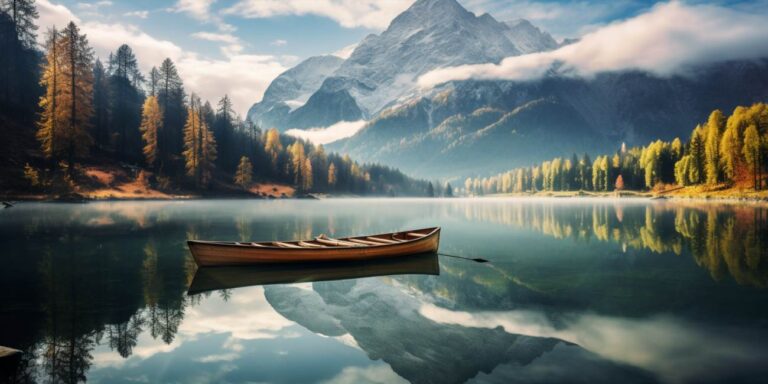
{"x":577,"y":291}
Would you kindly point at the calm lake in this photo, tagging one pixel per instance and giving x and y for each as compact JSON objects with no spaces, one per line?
{"x":577,"y":291}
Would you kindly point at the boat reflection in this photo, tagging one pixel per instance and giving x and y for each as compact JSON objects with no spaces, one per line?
{"x":217,"y":278}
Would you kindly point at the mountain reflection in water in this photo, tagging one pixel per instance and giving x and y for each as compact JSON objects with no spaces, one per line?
{"x":577,"y":291}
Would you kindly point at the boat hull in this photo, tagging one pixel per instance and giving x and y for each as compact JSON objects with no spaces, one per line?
{"x":209,"y":254}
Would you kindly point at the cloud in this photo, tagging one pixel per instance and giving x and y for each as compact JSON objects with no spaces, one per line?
{"x":139,"y":14}
{"x":330,"y":134}
{"x":279,"y":43}
{"x":198,"y":9}
{"x":243,"y":77}
{"x":53,"y":15}
{"x":373,"y":14}
{"x":94,"y":5}
{"x":221,"y":37}
{"x":345,"y":52}
{"x":562,"y":19}
{"x":664,"y":40}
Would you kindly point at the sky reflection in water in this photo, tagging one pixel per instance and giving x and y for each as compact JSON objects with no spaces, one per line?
{"x":579,"y":290}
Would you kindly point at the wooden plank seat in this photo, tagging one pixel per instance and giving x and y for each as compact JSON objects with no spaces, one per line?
{"x":380,"y":240}
{"x":364,"y":242}
{"x":285,"y":245}
{"x":311,"y":245}
{"x":417,"y":235}
{"x":329,"y":241}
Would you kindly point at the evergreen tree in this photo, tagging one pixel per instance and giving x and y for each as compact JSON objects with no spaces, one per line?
{"x":751,"y":150}
{"x":23,"y":14}
{"x":125,"y":101}
{"x":170,"y":95}
{"x":697,"y":169}
{"x":154,"y":81}
{"x":224,"y":131}
{"x":151,"y":121}
{"x":64,"y":128}
{"x":100,"y":105}
{"x":430,"y":190}
{"x":306,"y":175}
{"x":713,"y":130}
{"x":448,"y":190}
{"x":332,"y":176}
{"x":49,"y":133}
{"x":244,"y":173}
{"x":199,"y":146}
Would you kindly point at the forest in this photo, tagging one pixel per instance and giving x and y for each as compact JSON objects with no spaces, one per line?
{"x":63,"y":111}
{"x":724,"y":152}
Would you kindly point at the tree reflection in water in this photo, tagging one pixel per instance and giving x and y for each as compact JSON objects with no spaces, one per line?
{"x":76,"y":278}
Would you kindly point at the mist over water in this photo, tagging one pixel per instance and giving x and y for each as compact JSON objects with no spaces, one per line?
{"x":578,"y":290}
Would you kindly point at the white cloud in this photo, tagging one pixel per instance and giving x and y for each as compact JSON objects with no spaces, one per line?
{"x":373,"y":14}
{"x":139,"y":14}
{"x":150,"y":51}
{"x":221,"y":37}
{"x":198,"y":9}
{"x":53,"y":15}
{"x":345,"y":52}
{"x":330,"y":134}
{"x":94,"y":5}
{"x":243,"y":77}
{"x":664,"y":40}
{"x":279,"y":43}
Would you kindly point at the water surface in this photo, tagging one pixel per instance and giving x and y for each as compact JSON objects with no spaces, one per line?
{"x":577,"y":291}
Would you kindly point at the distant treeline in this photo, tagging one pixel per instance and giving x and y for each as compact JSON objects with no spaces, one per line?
{"x":726,"y":150}
{"x":81,"y":110}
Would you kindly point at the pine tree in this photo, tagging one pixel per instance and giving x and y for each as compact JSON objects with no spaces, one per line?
{"x":244,"y":173}
{"x":24,"y":14}
{"x":199,"y":146}
{"x":224,"y":130}
{"x":154,"y":81}
{"x":69,"y":79}
{"x":151,"y":120}
{"x":430,"y":190}
{"x":332,"y":175}
{"x":49,"y":133}
{"x":448,"y":190}
{"x":125,"y":100}
{"x":100,"y":105}
{"x":713,"y":130}
{"x":170,"y":95}
{"x":697,"y":169}
{"x":306,"y":175}
{"x":751,"y":150}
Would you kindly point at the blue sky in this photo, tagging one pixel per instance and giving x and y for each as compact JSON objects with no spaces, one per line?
{"x":239,"y":46}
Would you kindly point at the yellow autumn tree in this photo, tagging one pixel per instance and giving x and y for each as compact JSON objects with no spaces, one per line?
{"x":332,"y":175}
{"x":296,"y":151}
{"x":151,"y":120}
{"x":244,"y":173}
{"x":68,"y":101}
{"x":199,"y":146}
{"x":273,"y":146}
{"x":306,"y":175}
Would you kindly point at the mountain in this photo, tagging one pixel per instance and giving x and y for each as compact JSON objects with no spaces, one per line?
{"x":482,"y":127}
{"x":383,"y":69}
{"x":292,"y":89}
{"x":527,"y":38}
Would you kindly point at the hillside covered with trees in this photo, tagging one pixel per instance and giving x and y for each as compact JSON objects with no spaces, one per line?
{"x":70,"y":120}
{"x":725,"y":152}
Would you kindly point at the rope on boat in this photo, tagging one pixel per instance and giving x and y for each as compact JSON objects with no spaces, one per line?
{"x":475,"y":259}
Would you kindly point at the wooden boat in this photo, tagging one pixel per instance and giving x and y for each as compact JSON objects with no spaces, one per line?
{"x":216,"y":278}
{"x":320,"y":249}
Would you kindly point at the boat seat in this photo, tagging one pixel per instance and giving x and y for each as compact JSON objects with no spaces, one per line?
{"x":329,"y":241}
{"x":364,"y":242}
{"x":311,"y":245}
{"x":284,"y":245}
{"x":419,"y":235}
{"x":380,"y":240}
